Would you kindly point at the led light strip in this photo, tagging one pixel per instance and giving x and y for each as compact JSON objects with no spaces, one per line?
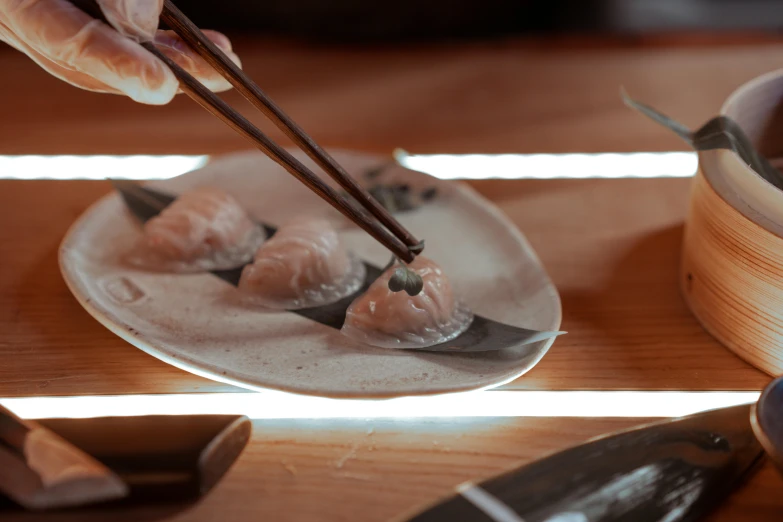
{"x":443,"y":166}
{"x":553,"y":166}
{"x":277,"y":405}
{"x":97,"y":167}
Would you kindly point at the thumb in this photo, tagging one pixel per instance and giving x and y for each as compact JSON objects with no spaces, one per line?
{"x":136,"y":19}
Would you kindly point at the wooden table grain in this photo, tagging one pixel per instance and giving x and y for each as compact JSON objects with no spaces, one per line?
{"x":504,"y":96}
{"x":379,"y":470}
{"x":611,"y":247}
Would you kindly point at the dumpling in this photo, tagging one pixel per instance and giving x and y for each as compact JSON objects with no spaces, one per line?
{"x":304,"y":264}
{"x":389,"y":319}
{"x":203,"y":229}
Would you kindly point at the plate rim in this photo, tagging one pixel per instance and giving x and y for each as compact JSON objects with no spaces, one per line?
{"x":117,"y":327}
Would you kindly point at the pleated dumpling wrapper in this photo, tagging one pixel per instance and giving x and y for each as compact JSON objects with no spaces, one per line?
{"x":203,"y":229}
{"x":380,"y":317}
{"x":304,"y":264}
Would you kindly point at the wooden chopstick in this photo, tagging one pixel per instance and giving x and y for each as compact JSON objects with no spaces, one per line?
{"x":215,"y":57}
{"x":405,"y":248}
{"x":214,"y":104}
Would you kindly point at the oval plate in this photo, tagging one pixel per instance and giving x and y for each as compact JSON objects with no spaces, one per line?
{"x":195,"y":322}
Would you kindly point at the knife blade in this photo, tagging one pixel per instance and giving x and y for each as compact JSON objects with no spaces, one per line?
{"x":671,"y":471}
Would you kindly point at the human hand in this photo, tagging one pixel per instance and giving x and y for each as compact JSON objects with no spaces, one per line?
{"x":84,"y":51}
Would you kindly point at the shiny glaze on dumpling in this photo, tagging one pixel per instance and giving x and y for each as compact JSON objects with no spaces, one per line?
{"x":389,"y":319}
{"x":304,"y":264}
{"x":203,"y":229}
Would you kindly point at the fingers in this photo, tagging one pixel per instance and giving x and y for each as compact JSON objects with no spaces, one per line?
{"x":136,"y":19}
{"x":73,"y":41}
{"x":76,"y":78}
{"x":176,"y":49}
{"x":221,"y":41}
{"x":87,"y":53}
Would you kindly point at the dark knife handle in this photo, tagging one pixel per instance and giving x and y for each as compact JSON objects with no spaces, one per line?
{"x":161,"y":457}
{"x":13,"y":431}
{"x":678,"y":469}
{"x":37,"y":468}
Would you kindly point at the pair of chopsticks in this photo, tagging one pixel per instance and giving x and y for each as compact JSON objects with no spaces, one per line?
{"x":385,"y":229}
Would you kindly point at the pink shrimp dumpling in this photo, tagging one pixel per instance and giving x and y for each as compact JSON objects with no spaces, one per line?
{"x":304,"y":264}
{"x":380,"y":317}
{"x":203,"y":229}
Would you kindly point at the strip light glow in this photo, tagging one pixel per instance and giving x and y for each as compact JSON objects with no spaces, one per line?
{"x":276,"y":405}
{"x":551,"y":166}
{"x":469,"y":166}
{"x":97,"y":167}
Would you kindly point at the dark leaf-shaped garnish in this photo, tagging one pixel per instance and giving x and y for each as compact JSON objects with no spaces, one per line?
{"x":392,"y":195}
{"x":429,"y":194}
{"x":720,"y":132}
{"x":406,"y":279}
{"x":384,"y":196}
{"x":483,"y":335}
{"x":375,"y":172}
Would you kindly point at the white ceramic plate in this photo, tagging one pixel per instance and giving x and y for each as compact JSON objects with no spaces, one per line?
{"x":193,"y":321}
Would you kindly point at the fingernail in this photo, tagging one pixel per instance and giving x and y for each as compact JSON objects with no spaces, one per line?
{"x":235,"y":59}
{"x":154,"y":84}
{"x":219,"y":39}
{"x":224,"y":43}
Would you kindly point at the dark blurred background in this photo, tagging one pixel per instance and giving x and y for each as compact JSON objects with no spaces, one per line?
{"x":417,"y":20}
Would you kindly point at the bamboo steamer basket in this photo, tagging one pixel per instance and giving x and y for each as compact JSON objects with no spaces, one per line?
{"x":732,"y":260}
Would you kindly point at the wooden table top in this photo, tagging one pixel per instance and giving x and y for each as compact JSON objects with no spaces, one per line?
{"x":613,"y":257}
{"x":611,"y":247}
{"x":508,"y":96}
